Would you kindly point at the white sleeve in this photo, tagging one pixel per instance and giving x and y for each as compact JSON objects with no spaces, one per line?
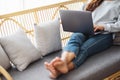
{"x":113,"y":27}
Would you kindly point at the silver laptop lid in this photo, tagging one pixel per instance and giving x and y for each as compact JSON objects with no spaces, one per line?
{"x":77,"y":21}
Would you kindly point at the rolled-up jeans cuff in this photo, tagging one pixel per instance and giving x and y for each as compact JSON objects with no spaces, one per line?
{"x":75,"y":65}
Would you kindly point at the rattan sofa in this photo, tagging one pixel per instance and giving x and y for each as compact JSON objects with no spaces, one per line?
{"x":97,"y":67}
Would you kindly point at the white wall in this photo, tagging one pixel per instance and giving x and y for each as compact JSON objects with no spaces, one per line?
{"x":37,"y":3}
{"x":9,"y":6}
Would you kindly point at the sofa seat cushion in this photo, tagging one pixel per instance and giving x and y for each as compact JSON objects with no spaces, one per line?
{"x":96,"y":67}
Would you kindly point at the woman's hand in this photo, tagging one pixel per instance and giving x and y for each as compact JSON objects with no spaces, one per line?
{"x":98,"y":28}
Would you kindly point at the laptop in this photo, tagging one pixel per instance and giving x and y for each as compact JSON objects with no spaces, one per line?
{"x":77,"y":21}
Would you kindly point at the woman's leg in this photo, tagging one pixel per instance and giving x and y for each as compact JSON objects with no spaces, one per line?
{"x":91,"y":46}
{"x":70,"y":52}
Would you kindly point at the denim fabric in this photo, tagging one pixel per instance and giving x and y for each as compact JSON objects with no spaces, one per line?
{"x":84,"y":46}
{"x":76,"y":40}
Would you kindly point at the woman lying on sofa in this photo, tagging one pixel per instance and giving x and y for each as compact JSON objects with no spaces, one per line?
{"x":106,"y":17}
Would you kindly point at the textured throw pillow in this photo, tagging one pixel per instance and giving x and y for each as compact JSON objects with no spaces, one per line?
{"x":20,"y":49}
{"x":4,"y":60}
{"x":47,"y":36}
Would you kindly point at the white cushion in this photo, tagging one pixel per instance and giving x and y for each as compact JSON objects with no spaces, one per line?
{"x":4,"y":60}
{"x":20,"y":49}
{"x":47,"y":36}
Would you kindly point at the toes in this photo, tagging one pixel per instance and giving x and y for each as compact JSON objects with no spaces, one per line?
{"x":50,"y":68}
{"x":46,"y":64}
{"x":55,"y":60}
{"x":61,"y":67}
{"x":53,"y":76}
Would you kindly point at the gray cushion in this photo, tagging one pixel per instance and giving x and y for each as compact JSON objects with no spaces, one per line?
{"x":20,"y":49}
{"x":96,"y":67}
{"x":4,"y":60}
{"x":47,"y":36}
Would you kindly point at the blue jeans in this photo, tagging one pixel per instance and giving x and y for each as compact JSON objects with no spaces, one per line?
{"x":85,"y":46}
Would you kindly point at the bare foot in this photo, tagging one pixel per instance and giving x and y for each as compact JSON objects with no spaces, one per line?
{"x":49,"y":66}
{"x":56,"y":59}
{"x":61,"y":66}
{"x":54,"y":76}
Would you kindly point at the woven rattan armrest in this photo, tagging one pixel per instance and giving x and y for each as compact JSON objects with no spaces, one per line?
{"x":5,"y":73}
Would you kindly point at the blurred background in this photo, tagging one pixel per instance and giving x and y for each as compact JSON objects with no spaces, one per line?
{"x":9,"y":6}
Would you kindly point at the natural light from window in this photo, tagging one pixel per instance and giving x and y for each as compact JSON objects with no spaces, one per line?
{"x":10,"y":6}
